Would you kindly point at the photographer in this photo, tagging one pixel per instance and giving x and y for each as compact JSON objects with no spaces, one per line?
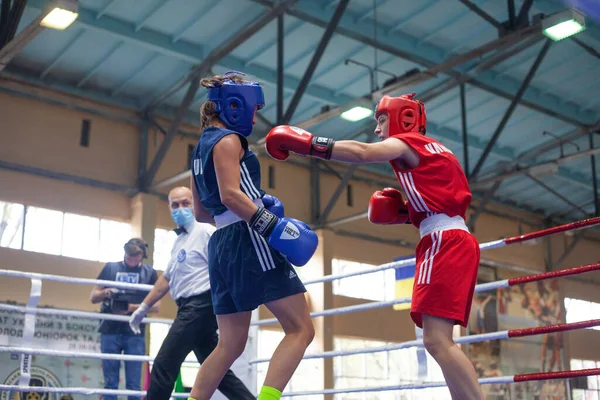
{"x":116,"y":337}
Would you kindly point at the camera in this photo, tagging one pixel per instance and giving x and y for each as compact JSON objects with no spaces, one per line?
{"x":118,"y":302}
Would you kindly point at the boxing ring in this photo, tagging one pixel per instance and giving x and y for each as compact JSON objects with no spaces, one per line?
{"x":31,"y":310}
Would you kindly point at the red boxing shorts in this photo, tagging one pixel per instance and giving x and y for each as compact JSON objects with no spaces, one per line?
{"x":445,"y":276}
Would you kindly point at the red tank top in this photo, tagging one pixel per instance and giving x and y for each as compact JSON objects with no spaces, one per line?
{"x":438,"y":185}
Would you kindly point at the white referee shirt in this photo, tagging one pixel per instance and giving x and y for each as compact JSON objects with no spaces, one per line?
{"x":187,"y":271}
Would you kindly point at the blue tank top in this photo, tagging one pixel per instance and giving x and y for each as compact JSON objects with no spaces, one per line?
{"x":203,"y":170}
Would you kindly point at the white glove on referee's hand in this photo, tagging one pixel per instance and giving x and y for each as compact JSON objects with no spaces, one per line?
{"x":137,"y":317}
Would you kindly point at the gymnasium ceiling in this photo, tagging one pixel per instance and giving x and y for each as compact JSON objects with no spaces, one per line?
{"x":139,"y":54}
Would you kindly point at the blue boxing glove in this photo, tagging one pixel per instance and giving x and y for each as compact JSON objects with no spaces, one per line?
{"x":292,"y":238}
{"x":274,"y":205}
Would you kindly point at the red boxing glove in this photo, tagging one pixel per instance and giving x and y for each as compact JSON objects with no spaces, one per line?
{"x":387,"y":207}
{"x":284,"y":138}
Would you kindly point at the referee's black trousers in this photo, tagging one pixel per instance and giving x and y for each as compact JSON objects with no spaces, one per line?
{"x":194,"y":329}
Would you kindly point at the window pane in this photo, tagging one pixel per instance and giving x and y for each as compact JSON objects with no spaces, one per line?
{"x":308,"y":372}
{"x":158,"y":333}
{"x":163,"y":244}
{"x":11,"y":225}
{"x":592,"y":380}
{"x":591,"y":395}
{"x":43,"y":230}
{"x":581,"y":310}
{"x":375,"y":286}
{"x":81,"y":237}
{"x":113,"y":236}
{"x":578,"y":394}
{"x":385,"y":369}
{"x":188,"y":374}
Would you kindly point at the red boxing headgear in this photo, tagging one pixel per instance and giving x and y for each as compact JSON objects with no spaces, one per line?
{"x":404,"y":113}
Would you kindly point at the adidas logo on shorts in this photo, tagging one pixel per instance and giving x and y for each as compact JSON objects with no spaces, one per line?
{"x":292,"y":274}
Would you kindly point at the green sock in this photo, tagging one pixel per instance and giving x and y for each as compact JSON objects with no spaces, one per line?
{"x":191,"y":398}
{"x":269,"y":393}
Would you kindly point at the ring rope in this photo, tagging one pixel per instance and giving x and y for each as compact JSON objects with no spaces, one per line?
{"x":334,"y":311}
{"x":478,"y":288}
{"x":484,"y":381}
{"x":483,"y":246}
{"x":540,"y":376}
{"x":482,"y":337}
{"x":327,"y":278}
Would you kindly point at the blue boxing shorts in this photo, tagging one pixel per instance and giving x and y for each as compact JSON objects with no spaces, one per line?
{"x":245,"y":271}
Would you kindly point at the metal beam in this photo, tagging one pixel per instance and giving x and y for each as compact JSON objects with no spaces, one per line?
{"x":427,"y":55}
{"x":471,"y":75}
{"x":264,"y":120}
{"x":511,"y":108}
{"x":584,"y":46}
{"x":328,"y":167}
{"x":184,"y":51}
{"x":11,"y":45}
{"x":336,"y":195}
{"x":557,"y":194}
{"x":563,"y":213}
{"x":473,"y":7}
{"x":231,"y":44}
{"x":512,"y":17}
{"x":489,"y":194}
{"x":14,"y":18}
{"x":143,"y":157}
{"x":548,"y":259}
{"x":340,"y":189}
{"x":463,"y":115}
{"x":280,"y":77}
{"x":4,"y":13}
{"x":44,"y":173}
{"x":346,"y":220}
{"x":448,"y":65}
{"x":376,"y":239}
{"x":524,"y":12}
{"x":312,"y":66}
{"x":315,"y":186}
{"x":170,"y":135}
{"x":172,"y":180}
{"x":594,"y":179}
{"x":569,"y":249}
{"x":480,"y":183}
{"x":433,"y":71}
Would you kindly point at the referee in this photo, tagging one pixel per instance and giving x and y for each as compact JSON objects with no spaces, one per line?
{"x":195,"y":327}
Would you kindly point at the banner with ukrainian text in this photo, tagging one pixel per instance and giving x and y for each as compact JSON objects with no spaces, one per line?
{"x":55,"y":333}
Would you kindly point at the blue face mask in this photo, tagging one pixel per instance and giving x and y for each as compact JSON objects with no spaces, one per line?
{"x":182,"y":216}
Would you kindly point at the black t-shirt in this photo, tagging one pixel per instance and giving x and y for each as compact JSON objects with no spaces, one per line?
{"x":118,"y":271}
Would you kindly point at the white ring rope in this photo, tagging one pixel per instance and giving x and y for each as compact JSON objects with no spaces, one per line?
{"x":400,"y":387}
{"x":32,"y":310}
{"x":397,"y":264}
{"x":80,"y":281}
{"x":379,"y":304}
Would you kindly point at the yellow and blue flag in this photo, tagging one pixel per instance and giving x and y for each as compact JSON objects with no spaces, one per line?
{"x":405,"y":278}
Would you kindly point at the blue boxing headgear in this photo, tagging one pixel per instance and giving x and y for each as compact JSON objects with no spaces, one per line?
{"x":236,"y":101}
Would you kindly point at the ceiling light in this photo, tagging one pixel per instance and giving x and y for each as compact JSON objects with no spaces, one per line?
{"x":62,"y":14}
{"x":563,"y":25}
{"x":356,"y":114}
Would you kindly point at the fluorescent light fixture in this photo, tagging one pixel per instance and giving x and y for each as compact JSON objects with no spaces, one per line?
{"x":563,"y":25}
{"x":62,"y":14}
{"x":356,"y":114}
